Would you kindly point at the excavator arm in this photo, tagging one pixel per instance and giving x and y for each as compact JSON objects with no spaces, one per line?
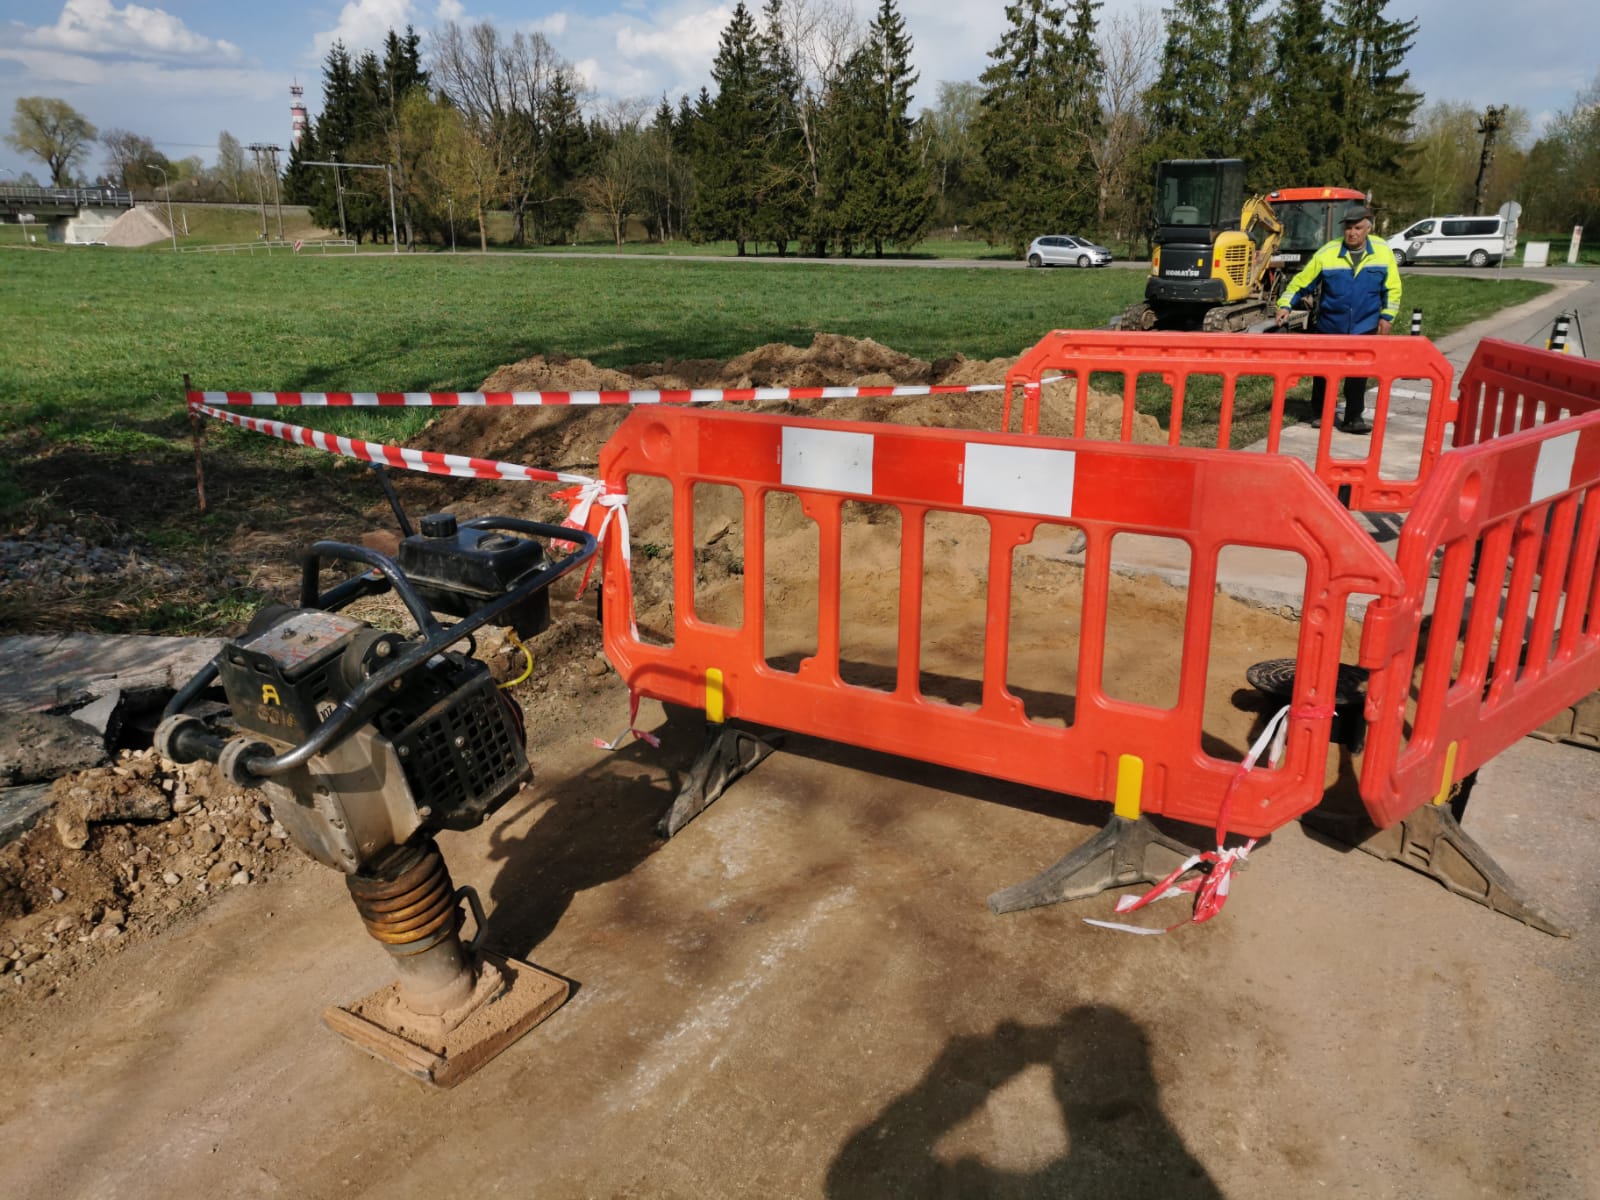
{"x":1261,"y":225}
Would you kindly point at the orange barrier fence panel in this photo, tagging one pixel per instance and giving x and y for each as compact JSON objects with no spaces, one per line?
{"x":1179,"y":360}
{"x":1141,"y":756}
{"x":1513,"y":634}
{"x":1507,"y":387}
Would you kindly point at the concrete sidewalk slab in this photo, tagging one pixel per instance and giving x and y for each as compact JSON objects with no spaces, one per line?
{"x":40,"y":672}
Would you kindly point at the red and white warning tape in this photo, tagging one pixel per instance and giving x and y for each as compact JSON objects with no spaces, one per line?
{"x":1210,"y":886}
{"x":432,"y":462}
{"x":537,"y":399}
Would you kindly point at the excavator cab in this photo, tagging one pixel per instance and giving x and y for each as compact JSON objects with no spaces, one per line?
{"x":1201,"y":258}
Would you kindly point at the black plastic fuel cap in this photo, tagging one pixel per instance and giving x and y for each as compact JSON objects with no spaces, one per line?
{"x":439,"y":525}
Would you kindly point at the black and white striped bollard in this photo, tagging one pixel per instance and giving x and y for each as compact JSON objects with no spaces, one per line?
{"x":1558,"y":334}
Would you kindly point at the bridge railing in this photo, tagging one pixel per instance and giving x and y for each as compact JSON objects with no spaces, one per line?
{"x":30,"y":197}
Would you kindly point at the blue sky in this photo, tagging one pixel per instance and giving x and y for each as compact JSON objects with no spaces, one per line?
{"x":179,"y":71}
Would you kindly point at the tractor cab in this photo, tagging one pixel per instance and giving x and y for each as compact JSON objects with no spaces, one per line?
{"x":1312,"y":217}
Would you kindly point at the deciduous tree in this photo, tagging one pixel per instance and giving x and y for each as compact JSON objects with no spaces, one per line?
{"x":52,"y":131}
{"x":131,"y":159}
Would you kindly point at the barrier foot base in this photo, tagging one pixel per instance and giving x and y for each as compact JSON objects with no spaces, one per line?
{"x":1124,"y":852}
{"x":727,"y":754}
{"x":1432,"y":841}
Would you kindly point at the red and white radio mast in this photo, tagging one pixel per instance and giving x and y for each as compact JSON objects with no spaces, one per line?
{"x":297,"y":114}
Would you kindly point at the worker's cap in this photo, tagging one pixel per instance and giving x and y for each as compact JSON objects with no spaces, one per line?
{"x":1358,"y":213}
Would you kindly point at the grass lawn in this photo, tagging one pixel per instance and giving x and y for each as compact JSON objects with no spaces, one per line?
{"x":98,"y":337}
{"x":98,"y":340}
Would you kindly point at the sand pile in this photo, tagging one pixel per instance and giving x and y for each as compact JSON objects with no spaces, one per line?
{"x":138,"y":226}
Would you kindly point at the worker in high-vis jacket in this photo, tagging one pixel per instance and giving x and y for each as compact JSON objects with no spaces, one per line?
{"x":1360,"y":283}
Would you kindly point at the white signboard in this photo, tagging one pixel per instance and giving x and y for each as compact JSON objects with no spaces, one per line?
{"x":1536,"y":254}
{"x":1572,"y":250}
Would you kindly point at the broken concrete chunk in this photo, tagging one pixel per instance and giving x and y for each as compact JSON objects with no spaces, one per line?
{"x":104,"y":716}
{"x":37,"y":747}
{"x":119,"y":798}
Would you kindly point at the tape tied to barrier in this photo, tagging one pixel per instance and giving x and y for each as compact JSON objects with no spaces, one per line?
{"x":430,"y":462}
{"x":583,"y":498}
{"x":1214,"y":868}
{"x":644,"y":735}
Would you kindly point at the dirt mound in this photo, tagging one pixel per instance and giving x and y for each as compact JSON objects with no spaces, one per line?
{"x":570,"y":439}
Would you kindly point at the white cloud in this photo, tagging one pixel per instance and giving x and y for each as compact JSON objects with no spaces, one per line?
{"x":363,"y":24}
{"x":687,"y":44}
{"x":141,"y":77}
{"x":99,"y":27}
{"x":450,"y":10}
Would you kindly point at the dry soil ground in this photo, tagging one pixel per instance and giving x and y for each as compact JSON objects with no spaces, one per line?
{"x":803,"y":993}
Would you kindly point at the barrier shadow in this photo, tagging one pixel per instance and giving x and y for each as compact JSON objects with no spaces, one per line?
{"x":599,"y":827}
{"x":1115,"y":1140}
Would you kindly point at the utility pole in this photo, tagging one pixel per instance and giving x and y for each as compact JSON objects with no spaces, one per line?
{"x":261,"y":150}
{"x":338,"y":192}
{"x":277,"y":189}
{"x":172,"y":226}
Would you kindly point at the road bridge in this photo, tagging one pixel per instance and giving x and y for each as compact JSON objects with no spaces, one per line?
{"x":67,"y":214}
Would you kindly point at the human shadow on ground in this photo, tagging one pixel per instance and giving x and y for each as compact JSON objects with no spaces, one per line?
{"x":1118,"y":1141}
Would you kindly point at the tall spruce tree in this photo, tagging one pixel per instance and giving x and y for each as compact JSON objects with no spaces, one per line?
{"x":337,"y":134}
{"x":1037,"y":116}
{"x":555,"y":211}
{"x":1299,"y":131}
{"x":784,"y":190}
{"x":1084,"y":78}
{"x":729,"y":164}
{"x":844,"y":126}
{"x":1188,"y":102}
{"x":1372,"y":99}
{"x":1244,"y":62}
{"x":888,"y":191}
{"x":399,"y":74}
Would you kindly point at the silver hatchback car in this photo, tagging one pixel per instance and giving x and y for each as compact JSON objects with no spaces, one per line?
{"x":1064,"y":250}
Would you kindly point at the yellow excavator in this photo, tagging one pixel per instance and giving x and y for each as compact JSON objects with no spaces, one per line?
{"x":1220,"y":259}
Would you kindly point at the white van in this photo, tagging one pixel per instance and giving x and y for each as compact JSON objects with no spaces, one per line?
{"x":1476,"y":241}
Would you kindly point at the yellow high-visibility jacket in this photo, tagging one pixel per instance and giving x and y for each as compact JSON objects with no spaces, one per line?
{"x":1353,"y":301}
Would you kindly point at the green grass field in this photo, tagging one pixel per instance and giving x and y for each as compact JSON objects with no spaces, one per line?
{"x":98,"y":340}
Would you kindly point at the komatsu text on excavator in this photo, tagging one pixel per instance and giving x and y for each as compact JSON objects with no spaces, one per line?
{"x":1219,"y":259}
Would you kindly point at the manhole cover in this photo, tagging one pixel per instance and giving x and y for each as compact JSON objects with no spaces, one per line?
{"x":1275,"y":676}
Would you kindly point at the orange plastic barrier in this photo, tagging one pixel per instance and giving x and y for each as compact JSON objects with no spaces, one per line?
{"x":1142,"y":758}
{"x":1514,"y":632}
{"x":1508,"y":387}
{"x":1285,"y":359}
